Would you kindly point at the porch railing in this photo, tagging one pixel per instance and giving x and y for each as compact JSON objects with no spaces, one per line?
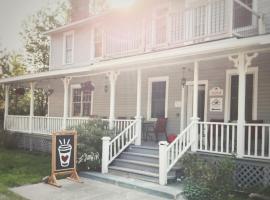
{"x":257,"y":141}
{"x":169,"y":155}
{"x":215,"y":137}
{"x":111,"y":149}
{"x":17,"y":123}
{"x":47,"y":125}
{"x":200,"y":22}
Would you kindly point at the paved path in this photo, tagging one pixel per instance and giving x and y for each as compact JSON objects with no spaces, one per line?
{"x":90,"y":189}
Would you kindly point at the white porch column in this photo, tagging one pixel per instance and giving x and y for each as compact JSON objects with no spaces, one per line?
{"x":66,"y":81}
{"x":112,"y":77}
{"x":182,"y":109}
{"x":138,"y":114}
{"x":195,"y":106}
{"x":32,"y":87}
{"x":242,"y":61}
{"x":6,"y":104}
{"x":241,"y":105}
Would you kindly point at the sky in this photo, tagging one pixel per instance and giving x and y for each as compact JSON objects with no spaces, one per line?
{"x":12,"y":14}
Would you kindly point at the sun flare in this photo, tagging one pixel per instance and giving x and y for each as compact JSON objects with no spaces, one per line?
{"x":120,"y":3}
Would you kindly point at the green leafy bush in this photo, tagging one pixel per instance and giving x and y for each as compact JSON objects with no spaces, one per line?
{"x":208,"y":180}
{"x":90,"y":144}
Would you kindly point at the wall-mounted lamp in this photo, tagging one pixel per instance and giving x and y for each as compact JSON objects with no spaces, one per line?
{"x":183,"y":80}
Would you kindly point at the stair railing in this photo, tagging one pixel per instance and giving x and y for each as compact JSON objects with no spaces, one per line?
{"x":170,"y":154}
{"x":112,"y":149}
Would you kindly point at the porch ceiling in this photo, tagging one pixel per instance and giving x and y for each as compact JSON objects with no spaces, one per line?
{"x":188,"y":54}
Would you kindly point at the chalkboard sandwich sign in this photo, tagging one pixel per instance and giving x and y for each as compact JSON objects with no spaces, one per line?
{"x":64,"y":155}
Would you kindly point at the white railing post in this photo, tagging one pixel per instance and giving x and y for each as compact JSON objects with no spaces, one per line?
{"x":261,"y":25}
{"x":163,"y":164}
{"x":6,"y":105}
{"x":66,"y":81}
{"x":32,"y":85}
{"x":112,"y":77}
{"x":138,"y":140}
{"x":105,"y":154}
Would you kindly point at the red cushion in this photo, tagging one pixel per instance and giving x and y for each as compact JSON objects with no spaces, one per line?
{"x":171,"y":138}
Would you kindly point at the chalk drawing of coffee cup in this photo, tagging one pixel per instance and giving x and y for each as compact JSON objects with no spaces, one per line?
{"x":64,"y":151}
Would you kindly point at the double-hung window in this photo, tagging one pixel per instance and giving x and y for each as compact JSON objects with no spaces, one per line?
{"x":68,"y":47}
{"x":157,"y":97}
{"x":81,"y":102}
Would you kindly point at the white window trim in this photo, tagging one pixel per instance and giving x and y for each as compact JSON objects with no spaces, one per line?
{"x":254,"y":21}
{"x":149,"y":104}
{"x":229,"y":73}
{"x":202,"y":82}
{"x":64,"y":47}
{"x":78,"y":86}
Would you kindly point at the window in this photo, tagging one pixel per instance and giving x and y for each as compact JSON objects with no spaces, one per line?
{"x":242,"y":16}
{"x":158,"y":95}
{"x":81,"y":102}
{"x":98,"y":42}
{"x":161,"y":26}
{"x":68,"y":47}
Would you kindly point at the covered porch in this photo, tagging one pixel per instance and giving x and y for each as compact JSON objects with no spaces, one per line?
{"x":123,"y":97}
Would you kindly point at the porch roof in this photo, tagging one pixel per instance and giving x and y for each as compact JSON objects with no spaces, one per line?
{"x":198,"y":52}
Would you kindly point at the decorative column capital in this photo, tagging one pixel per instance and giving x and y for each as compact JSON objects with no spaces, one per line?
{"x":243,"y":60}
{"x":66,"y":80}
{"x":112,"y":75}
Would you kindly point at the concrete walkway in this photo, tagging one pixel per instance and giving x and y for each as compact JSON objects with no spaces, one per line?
{"x":90,"y":189}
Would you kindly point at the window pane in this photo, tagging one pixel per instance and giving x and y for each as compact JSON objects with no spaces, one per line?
{"x":86,"y":103}
{"x":76,"y":109}
{"x":158,"y":99}
{"x":242,"y":16}
{"x":69,"y":41}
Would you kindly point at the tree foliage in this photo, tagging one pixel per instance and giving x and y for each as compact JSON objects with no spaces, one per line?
{"x":36,"y":42}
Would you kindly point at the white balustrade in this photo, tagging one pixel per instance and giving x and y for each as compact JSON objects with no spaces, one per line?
{"x":17,"y":123}
{"x":215,"y":137}
{"x":169,"y":155}
{"x":257,"y":141}
{"x":111,"y":149}
{"x":45,"y":125}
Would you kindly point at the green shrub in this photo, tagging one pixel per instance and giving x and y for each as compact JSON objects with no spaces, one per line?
{"x":90,"y":144}
{"x":208,"y":180}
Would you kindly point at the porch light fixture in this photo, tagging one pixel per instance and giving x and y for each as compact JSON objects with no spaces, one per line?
{"x":183,"y":80}
{"x":50,"y":92}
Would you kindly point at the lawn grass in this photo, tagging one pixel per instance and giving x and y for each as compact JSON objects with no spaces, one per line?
{"x":18,"y":167}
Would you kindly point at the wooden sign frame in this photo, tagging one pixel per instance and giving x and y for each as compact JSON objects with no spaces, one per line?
{"x":72,"y":170}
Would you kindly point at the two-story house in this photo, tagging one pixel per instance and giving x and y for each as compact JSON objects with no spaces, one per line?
{"x":202,"y":65}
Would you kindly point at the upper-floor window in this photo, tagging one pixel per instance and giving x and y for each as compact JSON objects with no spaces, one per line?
{"x":243,"y":16}
{"x":98,"y":50}
{"x":68,"y":47}
{"x":160,"y":24}
{"x":81,"y":102}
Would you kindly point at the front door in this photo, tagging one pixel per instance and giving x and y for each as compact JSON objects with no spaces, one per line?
{"x":202,"y":98}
